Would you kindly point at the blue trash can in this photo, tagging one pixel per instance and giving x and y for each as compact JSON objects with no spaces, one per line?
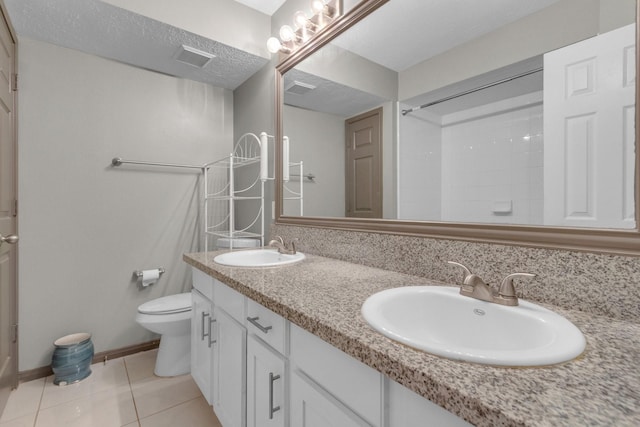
{"x":71,"y":361}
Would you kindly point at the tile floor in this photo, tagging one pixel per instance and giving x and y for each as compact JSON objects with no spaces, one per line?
{"x":124,"y":392}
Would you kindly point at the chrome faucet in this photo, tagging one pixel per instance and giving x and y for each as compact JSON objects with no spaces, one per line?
{"x":282,"y":247}
{"x":473,"y":286}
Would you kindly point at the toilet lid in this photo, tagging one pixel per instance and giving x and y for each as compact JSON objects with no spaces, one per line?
{"x":166,"y":305}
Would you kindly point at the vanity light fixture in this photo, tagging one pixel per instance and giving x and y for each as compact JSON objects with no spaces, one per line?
{"x":323,"y":13}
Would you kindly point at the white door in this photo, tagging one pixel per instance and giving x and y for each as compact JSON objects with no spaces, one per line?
{"x":8,"y":286}
{"x":589,"y":132}
{"x":265,"y":386}
{"x":229,"y":372}
{"x":201,"y":351}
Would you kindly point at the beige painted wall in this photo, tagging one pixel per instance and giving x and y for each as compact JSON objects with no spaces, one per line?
{"x":561,"y":24}
{"x":318,"y":140}
{"x":85,"y":226}
{"x":254,"y":113}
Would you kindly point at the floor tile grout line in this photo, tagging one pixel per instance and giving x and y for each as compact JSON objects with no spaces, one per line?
{"x":77,"y":383}
{"x":171,"y":407}
{"x":12,"y":393}
{"x":35,"y":419}
{"x":133,"y":397}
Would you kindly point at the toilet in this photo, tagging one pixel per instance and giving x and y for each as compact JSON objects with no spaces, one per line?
{"x":170,"y":317}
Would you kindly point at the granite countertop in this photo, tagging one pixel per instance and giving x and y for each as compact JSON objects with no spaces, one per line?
{"x":324,"y":296}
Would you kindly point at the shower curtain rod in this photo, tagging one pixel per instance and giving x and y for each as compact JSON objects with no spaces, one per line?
{"x":117,"y":161}
{"x":467,"y":92}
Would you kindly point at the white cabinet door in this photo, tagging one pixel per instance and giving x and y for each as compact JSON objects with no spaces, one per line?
{"x":229,"y":370}
{"x":201,"y":352}
{"x":311,"y":406}
{"x":408,"y":409}
{"x":266,"y":382}
{"x":350,"y":381}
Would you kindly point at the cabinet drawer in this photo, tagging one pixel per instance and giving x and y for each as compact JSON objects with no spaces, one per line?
{"x":229,"y":300}
{"x":267,"y":325}
{"x":353,"y":383}
{"x":202,"y":282}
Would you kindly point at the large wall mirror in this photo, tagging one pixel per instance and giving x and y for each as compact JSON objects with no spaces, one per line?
{"x":496,"y":121}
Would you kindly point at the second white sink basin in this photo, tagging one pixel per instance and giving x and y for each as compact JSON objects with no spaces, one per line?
{"x":439,"y":320}
{"x":265,"y":257}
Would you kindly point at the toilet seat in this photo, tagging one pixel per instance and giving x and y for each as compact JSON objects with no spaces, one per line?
{"x":167,"y":305}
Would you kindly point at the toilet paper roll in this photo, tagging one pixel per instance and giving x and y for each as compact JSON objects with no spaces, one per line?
{"x":149,"y":277}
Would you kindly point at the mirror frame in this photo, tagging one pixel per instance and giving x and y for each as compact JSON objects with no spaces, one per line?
{"x":608,"y":241}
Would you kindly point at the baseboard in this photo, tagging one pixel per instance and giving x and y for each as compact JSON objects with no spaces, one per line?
{"x":103,"y":356}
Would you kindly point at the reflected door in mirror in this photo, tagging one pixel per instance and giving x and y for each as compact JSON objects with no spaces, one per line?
{"x":364,"y":165}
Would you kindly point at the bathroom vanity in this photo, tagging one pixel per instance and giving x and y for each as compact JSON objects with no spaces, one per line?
{"x":287,"y":346}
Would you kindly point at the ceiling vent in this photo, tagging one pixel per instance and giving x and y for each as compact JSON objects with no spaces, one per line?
{"x":193,"y":57}
{"x":299,"y":88}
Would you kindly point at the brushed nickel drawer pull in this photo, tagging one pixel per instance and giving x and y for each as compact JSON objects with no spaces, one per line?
{"x":208,"y":333}
{"x":272,"y":410}
{"x":211,"y":322}
{"x":254,"y":322}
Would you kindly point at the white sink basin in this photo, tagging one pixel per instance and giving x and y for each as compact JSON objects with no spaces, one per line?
{"x":439,"y":320}
{"x":257,"y":258}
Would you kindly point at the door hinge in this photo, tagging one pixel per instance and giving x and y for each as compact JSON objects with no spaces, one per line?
{"x":14,"y":339}
{"x":14,"y":82}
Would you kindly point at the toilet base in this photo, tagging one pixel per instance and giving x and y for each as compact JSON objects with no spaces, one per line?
{"x":174,"y":356}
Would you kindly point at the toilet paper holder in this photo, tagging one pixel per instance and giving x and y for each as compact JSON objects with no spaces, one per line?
{"x":138,"y":273}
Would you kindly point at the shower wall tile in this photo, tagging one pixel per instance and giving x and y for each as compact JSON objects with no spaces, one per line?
{"x":454,"y":167}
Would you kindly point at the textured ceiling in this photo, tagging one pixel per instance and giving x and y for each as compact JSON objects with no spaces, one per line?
{"x":328,"y":96}
{"x":104,"y":30}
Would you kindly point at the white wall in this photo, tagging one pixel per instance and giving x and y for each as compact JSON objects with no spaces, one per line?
{"x":85,"y":226}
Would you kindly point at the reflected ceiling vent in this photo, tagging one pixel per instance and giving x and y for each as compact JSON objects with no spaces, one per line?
{"x":299,"y":88}
{"x":193,"y":56}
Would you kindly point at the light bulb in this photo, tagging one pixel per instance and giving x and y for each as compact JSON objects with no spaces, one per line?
{"x":300,"y":18}
{"x":286,"y":33}
{"x":317,"y":6}
{"x":273,"y":45}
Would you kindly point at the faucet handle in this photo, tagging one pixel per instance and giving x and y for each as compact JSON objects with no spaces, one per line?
{"x":469,"y":280}
{"x":467,"y":272}
{"x":292,"y":244}
{"x":507,"y":291}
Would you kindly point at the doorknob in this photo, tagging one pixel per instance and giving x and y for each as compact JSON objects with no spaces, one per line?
{"x":12,"y":238}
